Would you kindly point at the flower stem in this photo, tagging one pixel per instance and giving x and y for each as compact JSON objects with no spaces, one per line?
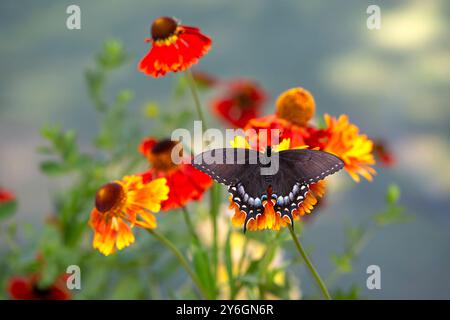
{"x":215,"y":190}
{"x":215,"y":203}
{"x":310,"y":266}
{"x":198,"y":106}
{"x":189,"y":225}
{"x":166,"y":242}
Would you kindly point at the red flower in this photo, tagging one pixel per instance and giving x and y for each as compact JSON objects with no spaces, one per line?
{"x":383,"y":154}
{"x":185,"y":182}
{"x":286,"y":130}
{"x":6,"y":196}
{"x":174,"y":47}
{"x":27,"y":288}
{"x":241,"y":102}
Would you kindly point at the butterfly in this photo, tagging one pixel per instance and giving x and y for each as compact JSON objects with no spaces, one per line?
{"x":241,"y":171}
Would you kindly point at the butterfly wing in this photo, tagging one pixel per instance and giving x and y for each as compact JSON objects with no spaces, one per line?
{"x":303,"y":166}
{"x":239,"y":169}
{"x":298,"y":168}
{"x":227,"y":165}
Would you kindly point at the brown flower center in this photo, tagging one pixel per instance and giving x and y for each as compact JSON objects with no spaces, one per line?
{"x":40,"y":292}
{"x":163,"y":28}
{"x":244,"y":100}
{"x":160,"y":155}
{"x":108,"y":196}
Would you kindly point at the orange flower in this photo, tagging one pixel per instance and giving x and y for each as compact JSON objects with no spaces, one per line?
{"x":344,"y":140}
{"x":174,"y":47}
{"x":269,"y":218}
{"x":185,"y":182}
{"x":27,"y":288}
{"x":6,"y":196}
{"x":295,"y":108}
{"x":122,"y":204}
{"x":241,"y":102}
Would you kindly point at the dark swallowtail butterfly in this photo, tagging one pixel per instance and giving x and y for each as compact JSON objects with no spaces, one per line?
{"x":287,"y":187}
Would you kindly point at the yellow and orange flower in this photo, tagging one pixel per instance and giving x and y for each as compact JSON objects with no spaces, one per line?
{"x":175,"y":47}
{"x":294,"y":109}
{"x":241,"y":102}
{"x":122,"y":204}
{"x":269,"y":219}
{"x":344,"y":140}
{"x":185,"y":182}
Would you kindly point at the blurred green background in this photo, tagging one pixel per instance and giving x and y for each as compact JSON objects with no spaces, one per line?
{"x":394,"y":83}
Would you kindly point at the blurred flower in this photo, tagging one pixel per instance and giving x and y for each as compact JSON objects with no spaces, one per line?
{"x":383,"y":153}
{"x":175,"y":47}
{"x":27,"y":288}
{"x":204,"y":79}
{"x":151,"y":110}
{"x":245,"y":251}
{"x":6,"y":196}
{"x":242,"y":101}
{"x":185,"y":182}
{"x":270,"y":219}
{"x":295,"y":108}
{"x":119,"y":204}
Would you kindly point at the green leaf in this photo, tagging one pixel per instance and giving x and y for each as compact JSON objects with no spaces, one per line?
{"x":393,"y":214}
{"x":7,"y":209}
{"x":112,"y":55}
{"x":53,"y":168}
{"x":343,"y":263}
{"x":229,"y":260}
{"x":392,"y":194}
{"x":202,"y":268}
{"x":351,"y":294}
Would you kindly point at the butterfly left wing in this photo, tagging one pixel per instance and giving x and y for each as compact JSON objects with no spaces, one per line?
{"x":227,"y":165}
{"x":239,"y":169}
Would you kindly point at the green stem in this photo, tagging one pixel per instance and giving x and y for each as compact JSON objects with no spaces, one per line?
{"x":215,"y":190}
{"x":310,"y":266}
{"x":196,"y":97}
{"x":189,"y":225}
{"x":215,"y":202}
{"x":166,"y":242}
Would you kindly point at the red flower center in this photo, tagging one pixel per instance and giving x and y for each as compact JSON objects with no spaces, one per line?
{"x":108,"y":196}
{"x":163,"y":28}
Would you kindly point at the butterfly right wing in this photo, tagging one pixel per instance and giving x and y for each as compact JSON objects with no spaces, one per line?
{"x":298,"y":168}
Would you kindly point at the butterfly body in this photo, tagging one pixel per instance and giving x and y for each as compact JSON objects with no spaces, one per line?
{"x":252,"y":187}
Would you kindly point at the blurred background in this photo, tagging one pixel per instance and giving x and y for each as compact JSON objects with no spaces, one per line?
{"x":394,"y":83}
